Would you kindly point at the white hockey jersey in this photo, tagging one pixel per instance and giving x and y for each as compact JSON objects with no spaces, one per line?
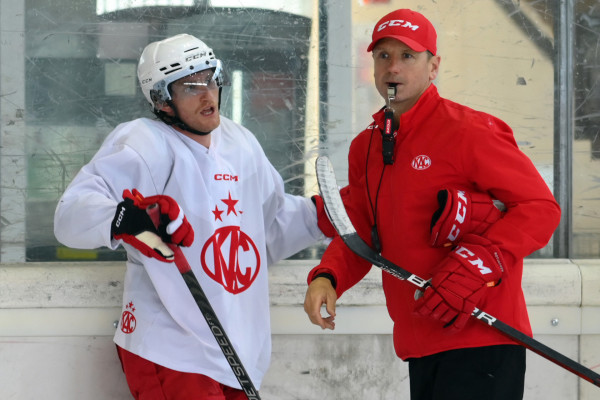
{"x":242,"y":219}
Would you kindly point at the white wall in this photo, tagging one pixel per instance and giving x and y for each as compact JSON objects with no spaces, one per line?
{"x":56,"y":325}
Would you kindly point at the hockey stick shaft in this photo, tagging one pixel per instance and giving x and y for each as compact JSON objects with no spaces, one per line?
{"x":209,"y":314}
{"x":339,"y":218}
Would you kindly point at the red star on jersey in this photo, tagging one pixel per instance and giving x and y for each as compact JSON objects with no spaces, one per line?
{"x":230,"y":204}
{"x":217,"y":213}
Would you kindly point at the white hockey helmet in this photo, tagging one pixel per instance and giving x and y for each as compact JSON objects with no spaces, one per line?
{"x":168,"y":60}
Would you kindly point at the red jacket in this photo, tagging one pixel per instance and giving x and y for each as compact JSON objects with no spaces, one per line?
{"x":441,"y":144}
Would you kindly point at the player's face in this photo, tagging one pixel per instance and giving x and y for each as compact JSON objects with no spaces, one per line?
{"x":196,"y":98}
{"x":410,"y":71}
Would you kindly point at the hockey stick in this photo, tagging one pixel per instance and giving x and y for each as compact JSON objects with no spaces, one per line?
{"x":339,"y":218}
{"x":209,"y":314}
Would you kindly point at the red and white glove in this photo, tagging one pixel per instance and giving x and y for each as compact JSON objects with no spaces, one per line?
{"x":133,"y":224}
{"x":323,"y":221}
{"x":461,"y":280}
{"x":461,"y":212}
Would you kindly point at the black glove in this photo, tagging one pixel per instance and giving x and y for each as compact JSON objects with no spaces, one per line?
{"x":151,"y":234}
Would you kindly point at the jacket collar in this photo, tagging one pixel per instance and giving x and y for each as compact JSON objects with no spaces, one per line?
{"x":420,"y":111}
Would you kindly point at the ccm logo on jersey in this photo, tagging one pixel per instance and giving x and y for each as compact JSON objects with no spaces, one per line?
{"x":473,"y":259}
{"x":397,"y":22}
{"x":226,"y":177}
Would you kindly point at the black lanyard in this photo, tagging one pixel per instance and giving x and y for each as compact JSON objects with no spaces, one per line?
{"x":374,"y":232}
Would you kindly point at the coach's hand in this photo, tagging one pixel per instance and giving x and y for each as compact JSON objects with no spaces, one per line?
{"x":321,"y":291}
{"x":133,"y":224}
{"x":460,"y":282}
{"x":461,"y":212}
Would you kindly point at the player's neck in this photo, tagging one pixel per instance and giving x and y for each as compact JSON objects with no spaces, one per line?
{"x":204,"y":140}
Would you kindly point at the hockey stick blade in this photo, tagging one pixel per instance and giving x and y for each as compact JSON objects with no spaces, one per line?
{"x":209,"y":314}
{"x":336,"y":211}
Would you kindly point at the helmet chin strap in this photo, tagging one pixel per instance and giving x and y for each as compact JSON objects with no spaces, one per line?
{"x":182,"y":125}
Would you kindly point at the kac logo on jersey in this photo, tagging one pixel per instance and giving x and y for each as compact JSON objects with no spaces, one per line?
{"x":231,"y":258}
{"x":128,"y":321}
{"x":421,"y":162}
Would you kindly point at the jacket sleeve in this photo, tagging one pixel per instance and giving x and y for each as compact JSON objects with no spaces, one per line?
{"x":496,"y":165}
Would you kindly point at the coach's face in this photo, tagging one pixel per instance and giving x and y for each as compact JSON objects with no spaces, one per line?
{"x":411,"y":72}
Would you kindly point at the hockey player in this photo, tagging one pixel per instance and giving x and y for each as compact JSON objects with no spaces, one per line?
{"x":219,"y":197}
{"x":394,"y":178}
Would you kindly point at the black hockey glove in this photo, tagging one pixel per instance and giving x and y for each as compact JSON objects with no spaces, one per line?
{"x":133,"y":224}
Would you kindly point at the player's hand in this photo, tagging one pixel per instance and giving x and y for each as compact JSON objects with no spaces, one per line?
{"x":133,"y":224}
{"x":461,"y":212}
{"x":461,"y":281}
{"x":323,"y":221}
{"x":320,"y":291}
{"x":173,"y":226}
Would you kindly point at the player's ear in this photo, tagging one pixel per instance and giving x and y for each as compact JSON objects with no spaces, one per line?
{"x":167,"y":109}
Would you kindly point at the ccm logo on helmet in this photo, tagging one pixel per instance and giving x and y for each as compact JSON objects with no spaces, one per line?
{"x":195,"y":56}
{"x":397,"y":22}
{"x":226,"y":177}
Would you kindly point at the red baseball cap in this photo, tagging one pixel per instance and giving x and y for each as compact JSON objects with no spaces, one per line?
{"x":407,"y":26}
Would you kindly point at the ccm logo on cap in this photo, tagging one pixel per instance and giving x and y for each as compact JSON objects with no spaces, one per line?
{"x":397,"y":22}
